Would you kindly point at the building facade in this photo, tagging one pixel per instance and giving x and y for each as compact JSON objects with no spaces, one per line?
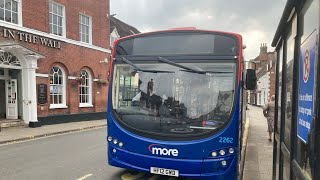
{"x":53,"y":60}
{"x":265,"y":70}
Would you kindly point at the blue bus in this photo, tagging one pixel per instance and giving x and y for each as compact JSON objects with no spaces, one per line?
{"x":176,"y":103}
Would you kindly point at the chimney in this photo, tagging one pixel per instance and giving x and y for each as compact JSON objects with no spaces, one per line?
{"x":263,"y":48}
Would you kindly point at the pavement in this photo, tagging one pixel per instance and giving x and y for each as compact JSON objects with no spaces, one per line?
{"x":14,"y":134}
{"x":259,"y":151}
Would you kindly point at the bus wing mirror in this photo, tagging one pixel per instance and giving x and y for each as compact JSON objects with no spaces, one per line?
{"x":251,"y":79}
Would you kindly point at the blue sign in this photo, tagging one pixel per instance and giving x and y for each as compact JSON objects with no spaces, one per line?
{"x":306,"y":86}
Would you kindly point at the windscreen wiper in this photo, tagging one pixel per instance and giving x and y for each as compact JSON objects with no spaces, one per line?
{"x":143,"y":70}
{"x":187,"y":69}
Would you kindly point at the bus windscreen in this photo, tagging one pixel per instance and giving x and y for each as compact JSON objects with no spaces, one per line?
{"x":178,"y":44}
{"x":173,"y":102}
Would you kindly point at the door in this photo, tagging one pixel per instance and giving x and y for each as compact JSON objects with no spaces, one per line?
{"x":11,"y":99}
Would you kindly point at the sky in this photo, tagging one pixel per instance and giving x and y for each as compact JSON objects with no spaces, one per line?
{"x":255,"y":20}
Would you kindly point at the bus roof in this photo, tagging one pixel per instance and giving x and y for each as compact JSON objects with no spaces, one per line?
{"x":181,"y":29}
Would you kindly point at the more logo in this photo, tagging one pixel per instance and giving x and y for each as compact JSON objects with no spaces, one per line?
{"x":158,"y":149}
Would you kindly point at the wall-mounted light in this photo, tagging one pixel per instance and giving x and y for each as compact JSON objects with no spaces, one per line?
{"x":104,"y":61}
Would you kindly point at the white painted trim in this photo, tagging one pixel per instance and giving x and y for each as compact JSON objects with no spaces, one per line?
{"x":4,"y":78}
{"x":83,"y":105}
{"x":20,"y":20}
{"x":64,"y":87}
{"x":72,"y":77}
{"x":42,"y":75}
{"x":52,"y":36}
{"x":10,"y":66}
{"x":132,"y":32}
{"x":90,"y":86}
{"x":114,"y":34}
{"x":116,"y":31}
{"x":58,"y":106}
{"x":90,"y":30}
{"x":64,"y":28}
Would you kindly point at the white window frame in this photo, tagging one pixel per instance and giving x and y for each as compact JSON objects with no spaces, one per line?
{"x":259,"y":99}
{"x":64,"y":31}
{"x":264,"y":97}
{"x":112,"y":40}
{"x":19,"y":13}
{"x":90,"y":28}
{"x":114,"y":35}
{"x":89,"y":103}
{"x":64,"y":79}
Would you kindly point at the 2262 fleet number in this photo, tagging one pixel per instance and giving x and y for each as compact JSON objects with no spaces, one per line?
{"x":225,"y":140}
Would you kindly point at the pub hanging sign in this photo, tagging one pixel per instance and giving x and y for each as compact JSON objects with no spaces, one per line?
{"x":30,"y":38}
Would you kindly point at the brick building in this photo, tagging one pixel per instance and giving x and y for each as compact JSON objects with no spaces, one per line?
{"x":53,"y":60}
{"x":265,"y":70}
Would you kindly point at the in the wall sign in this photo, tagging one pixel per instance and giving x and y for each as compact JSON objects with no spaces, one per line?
{"x":30,"y":38}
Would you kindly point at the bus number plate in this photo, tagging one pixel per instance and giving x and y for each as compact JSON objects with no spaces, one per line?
{"x":163,"y":171}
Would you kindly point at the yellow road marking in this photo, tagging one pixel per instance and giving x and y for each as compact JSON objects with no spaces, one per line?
{"x":129,"y":176}
{"x":154,"y":177}
{"x":172,"y":178}
{"x":84,"y":177}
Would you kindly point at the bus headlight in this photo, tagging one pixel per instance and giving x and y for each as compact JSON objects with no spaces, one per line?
{"x":115,"y":141}
{"x":110,"y":138}
{"x":223,"y":163}
{"x":114,"y":150}
{"x":222,"y":152}
{"x":120,"y":144}
{"x":231,"y":150}
{"x":214,"y":154}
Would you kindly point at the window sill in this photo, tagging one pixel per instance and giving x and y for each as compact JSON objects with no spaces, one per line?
{"x":11,"y":23}
{"x":85,"y":105}
{"x":87,"y":43}
{"x":58,"y":106}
